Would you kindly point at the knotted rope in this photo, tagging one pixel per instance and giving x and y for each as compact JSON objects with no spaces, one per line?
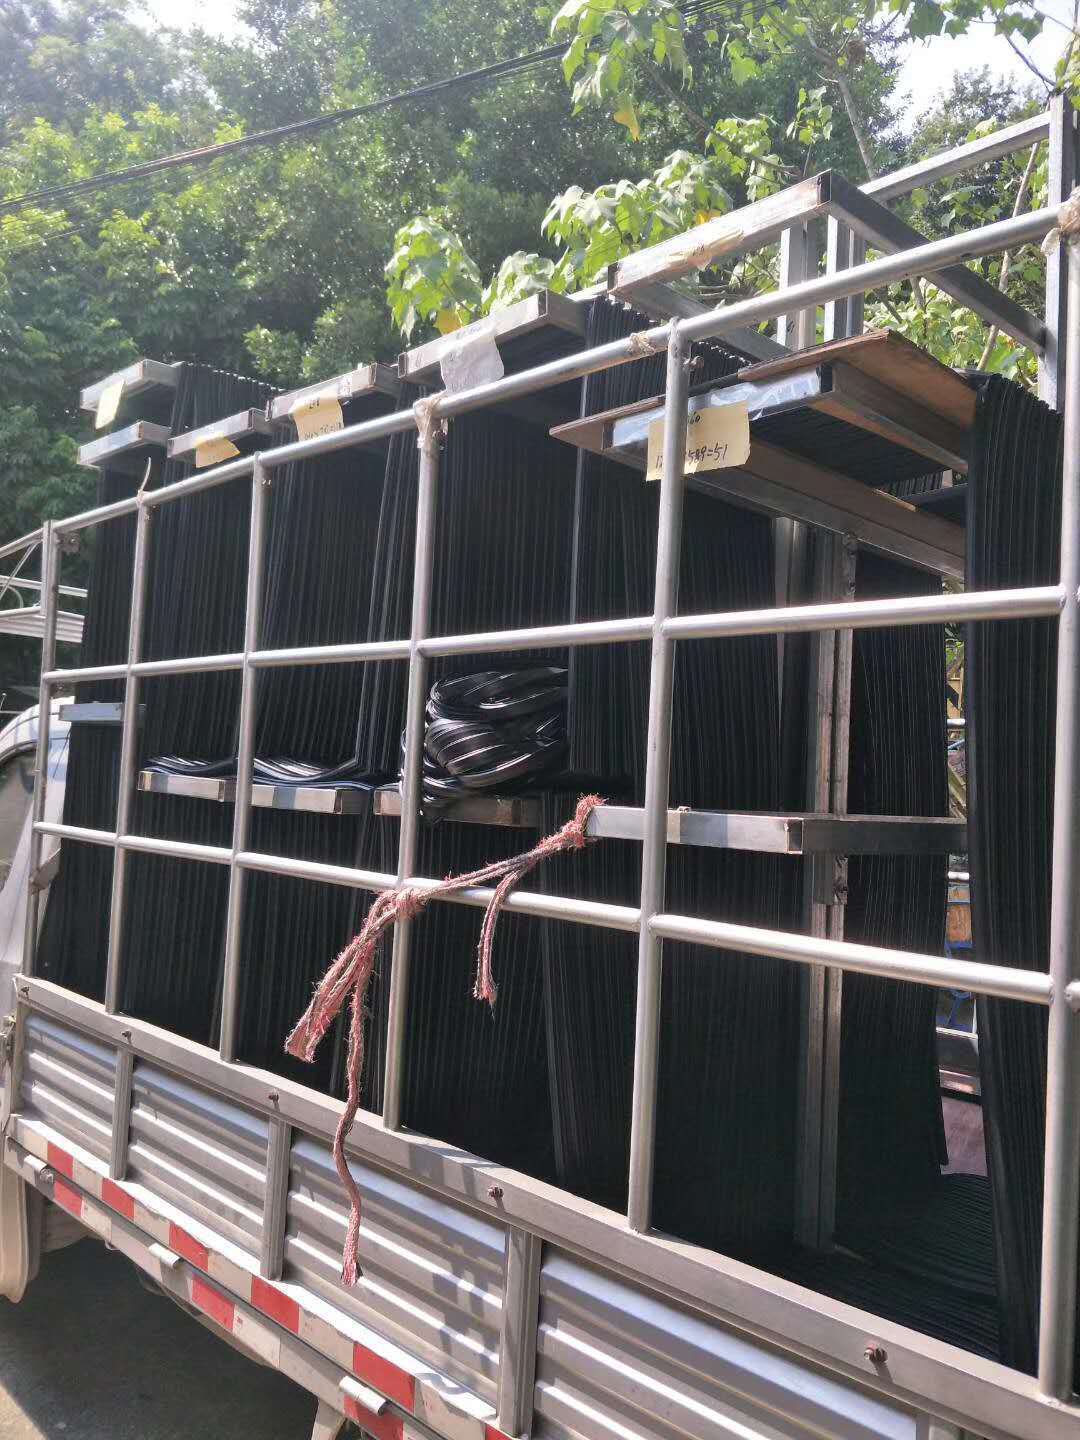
{"x":640,"y":344}
{"x":1068,"y":225}
{"x":350,"y":975}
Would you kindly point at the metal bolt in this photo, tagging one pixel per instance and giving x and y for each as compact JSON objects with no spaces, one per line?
{"x":876,"y":1353}
{"x":495,"y":1192}
{"x":273,"y":1097}
{"x":125,"y":1035}
{"x":47,"y":1177}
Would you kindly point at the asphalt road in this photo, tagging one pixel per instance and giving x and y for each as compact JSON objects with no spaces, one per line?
{"x":89,"y":1354}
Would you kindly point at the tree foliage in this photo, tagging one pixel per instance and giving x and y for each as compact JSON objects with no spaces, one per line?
{"x":279,"y":260}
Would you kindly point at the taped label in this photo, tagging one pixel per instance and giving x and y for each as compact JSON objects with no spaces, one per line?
{"x":213,"y":451}
{"x":108,"y":404}
{"x":471,"y":359}
{"x":717,"y":438}
{"x":317,"y":416}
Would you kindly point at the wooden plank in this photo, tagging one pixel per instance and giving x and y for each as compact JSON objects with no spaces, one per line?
{"x":892,"y":360}
{"x":233,"y":427}
{"x":364,"y":381}
{"x":739,"y":230}
{"x":863,"y":401}
{"x":124,"y":445}
{"x":541,"y":311}
{"x":135,"y":378}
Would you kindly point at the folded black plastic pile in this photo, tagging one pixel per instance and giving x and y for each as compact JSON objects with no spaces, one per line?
{"x":194,"y":606}
{"x":503,"y":555}
{"x":494,"y":731}
{"x":1014,"y":500}
{"x":529,"y":531}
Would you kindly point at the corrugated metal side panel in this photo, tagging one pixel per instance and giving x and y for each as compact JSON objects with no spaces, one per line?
{"x":67,"y":1082}
{"x":199,"y":1151}
{"x":614,"y":1359}
{"x":433,"y":1273}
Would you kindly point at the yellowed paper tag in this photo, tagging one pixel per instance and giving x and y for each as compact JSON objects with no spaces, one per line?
{"x":213,"y":451}
{"x":108,"y":404}
{"x":717,"y":437}
{"x":317,"y":416}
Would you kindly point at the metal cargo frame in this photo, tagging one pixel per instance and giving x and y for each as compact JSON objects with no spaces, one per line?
{"x":933,"y":1378}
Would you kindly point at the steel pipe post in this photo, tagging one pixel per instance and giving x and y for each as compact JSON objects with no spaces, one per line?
{"x":1061,"y":1182}
{"x":657,"y":777}
{"x":1060,"y":178}
{"x":245,"y":762}
{"x":129,"y":755}
{"x":429,"y":441}
{"x":50,"y":600}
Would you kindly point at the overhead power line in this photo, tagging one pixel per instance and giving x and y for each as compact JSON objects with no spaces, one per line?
{"x":57,"y":194}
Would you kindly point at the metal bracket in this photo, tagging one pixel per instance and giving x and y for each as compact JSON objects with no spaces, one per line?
{"x":829,"y":879}
{"x":70,"y":542}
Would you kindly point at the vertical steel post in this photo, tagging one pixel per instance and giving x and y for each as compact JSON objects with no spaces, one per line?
{"x":815,"y":1004}
{"x":843,"y":589}
{"x":1061,"y":1182}
{"x":50,"y":597}
{"x":798,"y":262}
{"x":245,"y":761}
{"x":517,"y":1342}
{"x":129,"y":752}
{"x":429,"y":440}
{"x":842,"y":250}
{"x":275,"y":1198}
{"x":121,"y":1116}
{"x":657,"y":776}
{"x":1061,"y":176}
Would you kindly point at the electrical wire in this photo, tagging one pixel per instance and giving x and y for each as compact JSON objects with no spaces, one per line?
{"x":312,"y":125}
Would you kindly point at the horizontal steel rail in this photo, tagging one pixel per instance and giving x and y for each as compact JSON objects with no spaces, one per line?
{"x":24,"y":542}
{"x":1008,"y":983}
{"x":1020,"y":604}
{"x":962,"y":157}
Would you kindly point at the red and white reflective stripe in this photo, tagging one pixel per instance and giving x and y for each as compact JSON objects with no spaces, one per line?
{"x":418,"y":1392}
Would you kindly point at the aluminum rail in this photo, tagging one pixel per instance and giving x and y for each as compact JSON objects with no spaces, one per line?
{"x":921,"y":260}
{"x":1061,"y":1193}
{"x":25,"y":542}
{"x":960,"y":158}
{"x":180,"y":665}
{"x":525,"y":902}
{"x":16,"y":582}
{"x":1006,"y":982}
{"x":1020,"y":604}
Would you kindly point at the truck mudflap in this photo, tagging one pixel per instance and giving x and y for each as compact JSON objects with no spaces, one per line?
{"x":242,"y":1217}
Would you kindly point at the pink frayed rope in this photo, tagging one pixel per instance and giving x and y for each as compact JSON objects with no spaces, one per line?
{"x":350,"y":976}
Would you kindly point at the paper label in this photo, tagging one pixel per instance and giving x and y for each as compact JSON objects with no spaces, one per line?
{"x":213,"y":451}
{"x":317,"y":416}
{"x":108,"y":404}
{"x":471,"y":360}
{"x":717,"y":437}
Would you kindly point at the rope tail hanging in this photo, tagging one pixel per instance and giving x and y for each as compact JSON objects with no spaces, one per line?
{"x":350,"y":975}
